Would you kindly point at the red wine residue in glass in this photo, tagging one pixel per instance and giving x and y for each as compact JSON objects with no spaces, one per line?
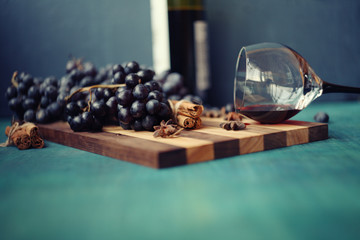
{"x":269,"y":113}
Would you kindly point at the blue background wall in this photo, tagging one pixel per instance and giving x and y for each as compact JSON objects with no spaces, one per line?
{"x":38,"y":36}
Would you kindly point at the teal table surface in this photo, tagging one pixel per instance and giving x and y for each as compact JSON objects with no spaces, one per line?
{"x":309,"y":191}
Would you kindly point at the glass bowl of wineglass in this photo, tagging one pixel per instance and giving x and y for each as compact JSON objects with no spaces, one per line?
{"x":273,"y":83}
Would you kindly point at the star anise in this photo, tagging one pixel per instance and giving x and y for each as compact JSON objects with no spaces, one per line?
{"x":233,"y":125}
{"x":167,"y":129}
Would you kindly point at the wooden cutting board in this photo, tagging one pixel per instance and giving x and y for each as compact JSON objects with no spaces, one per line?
{"x":210,"y":142}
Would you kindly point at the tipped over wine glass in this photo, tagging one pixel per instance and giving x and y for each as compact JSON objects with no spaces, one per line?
{"x":273,"y":83}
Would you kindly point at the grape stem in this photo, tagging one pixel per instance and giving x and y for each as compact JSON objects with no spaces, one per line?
{"x":67,"y":98}
{"x":13,"y":80}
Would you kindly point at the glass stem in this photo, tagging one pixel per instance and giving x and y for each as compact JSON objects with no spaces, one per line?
{"x":334,"y":88}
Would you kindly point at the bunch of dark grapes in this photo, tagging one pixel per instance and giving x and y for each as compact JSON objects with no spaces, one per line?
{"x":141,"y":103}
{"x":34,"y":99}
{"x":85,"y":114}
{"x":43,"y":100}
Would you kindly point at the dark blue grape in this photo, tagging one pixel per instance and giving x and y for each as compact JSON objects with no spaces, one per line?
{"x":125,"y":126}
{"x":117,"y":68}
{"x":124,"y":97}
{"x":30,"y":116}
{"x":97,"y":124}
{"x":29,"y":103}
{"x":82,"y":103}
{"x":164,"y":111}
{"x":99,"y":93}
{"x":124,"y":115}
{"x":146,"y":75}
{"x":44,"y":102}
{"x":156,"y":86}
{"x":86,"y":81}
{"x":42,"y":88}
{"x":22,"y":88}
{"x":155,"y":95}
{"x":161,"y":77}
{"x":20,"y":77}
{"x":137,"y":125}
{"x":321,"y":117}
{"x":148,"y":122}
{"x":42,"y":116}
{"x":175,"y":77}
{"x":38,"y":81}
{"x":87,"y":120}
{"x":61,"y":98}
{"x":51,"y":80}
{"x":173,"y":84}
{"x":111,"y":105}
{"x":98,"y":109}
{"x":67,"y":83}
{"x":54,"y":110}
{"x":153,"y":106}
{"x":132,"y":67}
{"x":118,"y":78}
{"x":76,"y":75}
{"x":11,"y":92}
{"x":28,"y":80}
{"x":51,"y":92}
{"x":15,"y":104}
{"x":72,"y":109}
{"x":137,"y":109}
{"x":131,"y":80}
{"x":107,"y":94}
{"x":89,"y":69}
{"x":77,"y":96}
{"x":76,"y":124}
{"x":140,"y":92}
{"x":101,"y":76}
{"x":148,"y":86}
{"x":34,"y":93}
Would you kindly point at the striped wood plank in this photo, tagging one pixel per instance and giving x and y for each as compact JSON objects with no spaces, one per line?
{"x":192,"y":146}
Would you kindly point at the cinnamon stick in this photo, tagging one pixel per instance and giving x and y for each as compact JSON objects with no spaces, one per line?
{"x":185,"y":122}
{"x":22,"y":142}
{"x":187,"y":108}
{"x":186,"y":114}
{"x":7,"y":130}
{"x":23,"y":136}
{"x":37,"y":142}
{"x":30,"y":129}
{"x":198,"y":122}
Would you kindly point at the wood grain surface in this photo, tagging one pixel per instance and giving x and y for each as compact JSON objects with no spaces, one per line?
{"x":210,"y":142}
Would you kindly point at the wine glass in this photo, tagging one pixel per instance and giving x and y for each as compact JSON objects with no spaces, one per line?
{"x":273,"y":83}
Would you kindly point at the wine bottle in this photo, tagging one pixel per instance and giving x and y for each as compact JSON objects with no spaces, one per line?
{"x":181,"y":43}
